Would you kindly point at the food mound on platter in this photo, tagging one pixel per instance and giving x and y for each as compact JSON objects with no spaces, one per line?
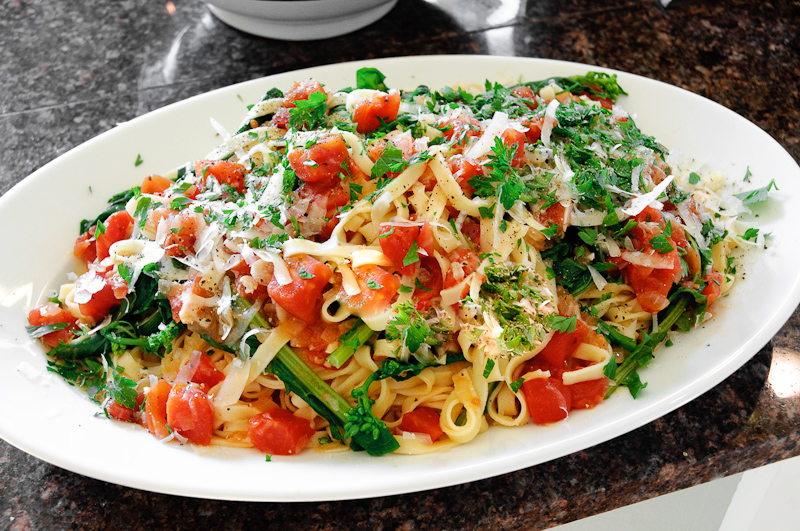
{"x":395,"y":271}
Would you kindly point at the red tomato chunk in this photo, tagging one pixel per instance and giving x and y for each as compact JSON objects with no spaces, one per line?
{"x":422,"y":420}
{"x":279,"y":432}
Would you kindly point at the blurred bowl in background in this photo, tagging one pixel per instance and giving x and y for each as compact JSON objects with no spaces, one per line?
{"x":299,"y":20}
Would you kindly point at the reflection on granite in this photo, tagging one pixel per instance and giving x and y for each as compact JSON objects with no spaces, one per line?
{"x":71,"y":70}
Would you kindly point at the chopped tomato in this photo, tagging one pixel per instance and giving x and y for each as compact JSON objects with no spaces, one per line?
{"x":246,"y":285}
{"x":687,"y":251}
{"x":181,"y":233}
{"x":229,"y":173}
{"x":554,"y":215}
{"x":323,"y":194}
{"x":86,"y":246}
{"x":124,"y":413}
{"x":110,"y":295}
{"x":51,"y":313}
{"x":301,"y":297}
{"x":189,"y":413}
{"x":526,"y":94}
{"x":301,"y":90}
{"x":282,"y":116}
{"x":176,"y":293}
{"x":396,"y":242}
{"x":586,"y":395}
{"x":155,"y":184}
{"x":381,"y":107}
{"x":321,"y":162}
{"x":514,"y":139}
{"x":713,"y":286}
{"x":155,"y":409}
{"x":652,"y":285}
{"x":605,"y":102}
{"x":318,"y":336}
{"x":459,"y":128}
{"x":463,"y":263}
{"x":118,"y":226}
{"x":548,"y":400}
{"x":422,"y":420}
{"x":471,"y":229}
{"x":429,"y":280}
{"x":534,"y":126}
{"x":464,"y":169}
{"x":206,"y":374}
{"x":278,"y":432}
{"x":565,"y":96}
{"x":563,"y":345}
{"x":378,"y":288}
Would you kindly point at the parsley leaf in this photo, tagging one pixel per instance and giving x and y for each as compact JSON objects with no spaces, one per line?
{"x":309,"y":114}
{"x":565,"y":325}
{"x":758,"y":195}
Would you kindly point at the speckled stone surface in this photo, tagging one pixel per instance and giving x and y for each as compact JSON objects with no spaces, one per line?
{"x":71,"y":70}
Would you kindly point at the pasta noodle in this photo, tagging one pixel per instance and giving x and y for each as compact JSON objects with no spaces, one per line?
{"x":394,"y":271}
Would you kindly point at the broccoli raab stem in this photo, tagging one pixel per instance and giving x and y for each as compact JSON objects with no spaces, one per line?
{"x":374,"y":436}
{"x":350,"y":341}
{"x":641,"y":353}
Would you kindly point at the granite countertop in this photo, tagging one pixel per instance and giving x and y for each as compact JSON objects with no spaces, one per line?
{"x":71,"y":70}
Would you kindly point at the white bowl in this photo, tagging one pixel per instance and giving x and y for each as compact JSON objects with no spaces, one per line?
{"x":299,"y":20}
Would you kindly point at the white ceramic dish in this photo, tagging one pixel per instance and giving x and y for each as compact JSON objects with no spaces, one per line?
{"x":299,"y":20}
{"x":39,"y":218}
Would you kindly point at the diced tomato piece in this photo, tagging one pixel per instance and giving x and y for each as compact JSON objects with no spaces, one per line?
{"x":548,"y":400}
{"x":586,"y":395}
{"x":301,"y":297}
{"x":554,"y":215}
{"x":464,"y":169}
{"x":514,"y":139}
{"x":429,"y":279}
{"x":181,"y":233}
{"x":155,"y":409}
{"x":279,"y":432}
{"x":328,"y":195}
{"x":155,"y":184}
{"x":605,"y":102}
{"x":713,"y":286}
{"x":381,"y":107}
{"x":86,"y":246}
{"x":425,"y":240}
{"x":563,"y":345}
{"x":282,"y":116}
{"x":206,"y":374}
{"x":106,"y":298}
{"x":463,"y":262}
{"x":534,"y":125}
{"x":189,"y":412}
{"x":378,"y":288}
{"x":120,"y":412}
{"x":653,"y":285}
{"x":118,"y":226}
{"x":51,"y":313}
{"x":301,"y":90}
{"x":395,"y":242}
{"x":471,"y":229}
{"x":687,"y":251}
{"x":229,"y":173}
{"x":175,"y":295}
{"x":526,"y":94}
{"x":459,"y":128}
{"x":422,"y":420}
{"x":251,"y":290}
{"x":321,"y":162}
